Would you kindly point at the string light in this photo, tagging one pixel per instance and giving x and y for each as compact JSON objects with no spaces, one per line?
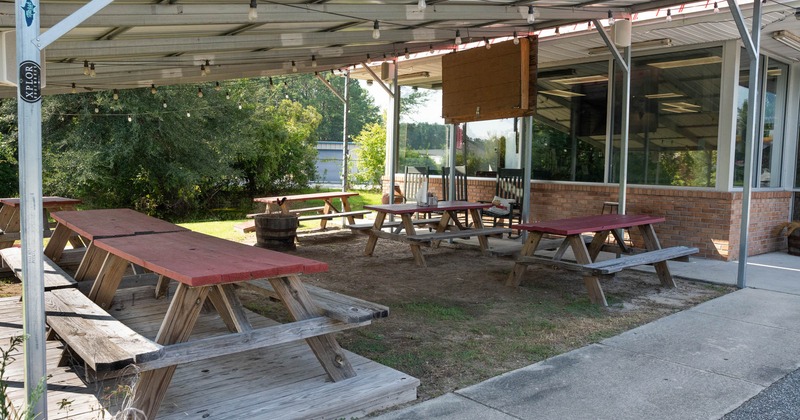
{"x":294,"y":67}
{"x":488,"y":45}
{"x":130,"y":119}
{"x":153,"y":89}
{"x":92,"y":72}
{"x":516,"y":40}
{"x":253,"y":13}
{"x":531,"y":14}
{"x":208,"y":67}
{"x":203,"y":70}
{"x":376,"y":30}
{"x":369,"y":59}
{"x":611,"y":19}
{"x":217,"y":86}
{"x":85,"y":67}
{"x":164,"y":104}
{"x":407,"y":55}
{"x":116,"y":95}
{"x":240,"y":106}
{"x":558,"y":31}
{"x":716,"y":8}
{"x":669,"y":15}
{"x":272,"y":84}
{"x":188,"y":114}
{"x":96,"y":110}
{"x":227,"y":95}
{"x":458,"y":37}
{"x":314,"y":61}
{"x":74,"y":89}
{"x":199,"y":92}
{"x":430,"y":48}
{"x":421,"y":5}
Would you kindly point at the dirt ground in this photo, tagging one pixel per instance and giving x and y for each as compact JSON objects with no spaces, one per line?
{"x":454,"y":323}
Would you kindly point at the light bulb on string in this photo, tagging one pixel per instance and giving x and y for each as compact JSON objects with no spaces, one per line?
{"x":240,"y":106}
{"x":369,"y":59}
{"x":188,"y":114}
{"x":716,"y":7}
{"x":558,"y":31}
{"x":669,"y":15}
{"x":85,"y":67}
{"x":96,"y":110}
{"x":314,"y":61}
{"x":531,"y":14}
{"x":92,"y":72}
{"x":164,"y":104}
{"x":407,"y":55}
{"x":611,"y":19}
{"x":130,"y":119}
{"x":422,"y":5}
{"x":153,"y":89}
{"x":217,"y":87}
{"x":488,"y":45}
{"x":294,"y":67}
{"x":516,"y":39}
{"x":203,"y":70}
{"x":458,"y":37}
{"x":199,"y":92}
{"x":74,"y":89}
{"x":115,"y":95}
{"x":376,"y":30}
{"x":208,"y":67}
{"x":227,"y":95}
{"x":252,"y":14}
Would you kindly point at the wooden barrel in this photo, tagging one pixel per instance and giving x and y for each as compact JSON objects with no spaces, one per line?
{"x":276,"y":231}
{"x":793,"y":241}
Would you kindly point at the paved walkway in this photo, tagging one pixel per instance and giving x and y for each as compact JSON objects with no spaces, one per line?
{"x":701,"y":363}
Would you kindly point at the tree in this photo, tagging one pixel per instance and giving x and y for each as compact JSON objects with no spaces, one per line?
{"x":371,"y":155}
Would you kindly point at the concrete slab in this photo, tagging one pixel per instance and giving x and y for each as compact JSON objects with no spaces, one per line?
{"x":763,"y":307}
{"x":602,"y":382}
{"x":742,"y":350}
{"x":447,"y":407}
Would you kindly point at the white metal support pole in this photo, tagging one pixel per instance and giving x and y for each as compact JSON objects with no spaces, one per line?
{"x":752,"y":44}
{"x":451,"y":162}
{"x":527,"y":150}
{"x":395,"y":132}
{"x":29,"y":117}
{"x":345,"y":152}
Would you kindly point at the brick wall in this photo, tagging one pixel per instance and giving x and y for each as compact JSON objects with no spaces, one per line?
{"x":708,"y":220}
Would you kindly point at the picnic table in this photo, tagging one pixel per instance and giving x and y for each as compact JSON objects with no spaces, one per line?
{"x":448,"y":227}
{"x":281,"y":204}
{"x":204,"y":267}
{"x":602,"y":226}
{"x":10,"y":217}
{"x":96,"y":224}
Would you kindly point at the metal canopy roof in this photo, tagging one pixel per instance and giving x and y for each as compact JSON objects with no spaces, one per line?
{"x":135,"y":43}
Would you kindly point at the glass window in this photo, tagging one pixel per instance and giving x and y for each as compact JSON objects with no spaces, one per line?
{"x":769,"y":146}
{"x":485,"y":146}
{"x":569,"y":136}
{"x":674,"y":115}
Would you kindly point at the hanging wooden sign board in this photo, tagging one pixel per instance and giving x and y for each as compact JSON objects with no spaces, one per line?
{"x":486,"y":84}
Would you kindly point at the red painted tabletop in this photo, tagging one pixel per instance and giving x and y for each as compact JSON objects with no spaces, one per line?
{"x":196,"y":259}
{"x":414,"y":208}
{"x":47,"y":202}
{"x":594,"y":223}
{"x":305,"y":197}
{"x":104,"y":223}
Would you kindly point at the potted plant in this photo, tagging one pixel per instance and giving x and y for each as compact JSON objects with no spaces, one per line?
{"x":791,"y":230}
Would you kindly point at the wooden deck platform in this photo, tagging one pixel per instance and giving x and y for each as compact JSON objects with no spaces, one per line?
{"x":281,"y":382}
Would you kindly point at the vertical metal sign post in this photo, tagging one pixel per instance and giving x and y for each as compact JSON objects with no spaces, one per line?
{"x":29,"y":120}
{"x":345,"y":160}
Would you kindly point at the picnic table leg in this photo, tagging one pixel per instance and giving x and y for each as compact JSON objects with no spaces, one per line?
{"x":373,"y":239}
{"x":91,"y":263}
{"x":592,"y":283}
{"x":416,"y":250}
{"x":181,"y":316}
{"x":229,"y":307}
{"x":651,"y":243}
{"x":515,"y":277}
{"x":57,"y":243}
{"x":346,"y":208}
{"x":482,"y":239}
{"x":597,"y":244}
{"x":6,"y":213}
{"x":107,"y":281}
{"x":328,"y":209}
{"x":162,"y":287}
{"x":444,"y":223}
{"x":300,"y":305}
{"x":11,"y":226}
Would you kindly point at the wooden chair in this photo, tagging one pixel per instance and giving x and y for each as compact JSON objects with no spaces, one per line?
{"x":511,"y":186}
{"x":415,"y":178}
{"x":461,"y":187}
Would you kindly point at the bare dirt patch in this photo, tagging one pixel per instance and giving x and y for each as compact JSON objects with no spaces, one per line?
{"x":454,"y":323}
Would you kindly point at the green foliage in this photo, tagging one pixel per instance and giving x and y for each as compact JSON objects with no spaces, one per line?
{"x":371,"y":155}
{"x":422,"y":136}
{"x":9,"y":170}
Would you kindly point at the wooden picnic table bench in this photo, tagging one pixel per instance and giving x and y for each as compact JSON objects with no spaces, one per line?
{"x":448,"y":222}
{"x":602,"y":226}
{"x":323,"y":213}
{"x":10,"y":217}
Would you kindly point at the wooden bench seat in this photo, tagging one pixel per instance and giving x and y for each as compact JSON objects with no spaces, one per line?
{"x":394,"y":224}
{"x":334,"y":305}
{"x":329,"y":216}
{"x":615,"y":265}
{"x":453,"y":234}
{"x":294,"y":211}
{"x":54,"y":276}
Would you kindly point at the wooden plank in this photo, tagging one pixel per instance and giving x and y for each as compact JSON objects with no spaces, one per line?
{"x":649,"y":257}
{"x":99,"y":339}
{"x":330,"y":216}
{"x":210,"y":347}
{"x":333,"y":305}
{"x":224,"y":299}
{"x":107,"y":223}
{"x":54,"y":276}
{"x":247,"y":226}
{"x":593,"y":223}
{"x":440,"y":236}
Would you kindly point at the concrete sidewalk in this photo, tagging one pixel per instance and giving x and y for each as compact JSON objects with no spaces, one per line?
{"x":701,"y":363}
